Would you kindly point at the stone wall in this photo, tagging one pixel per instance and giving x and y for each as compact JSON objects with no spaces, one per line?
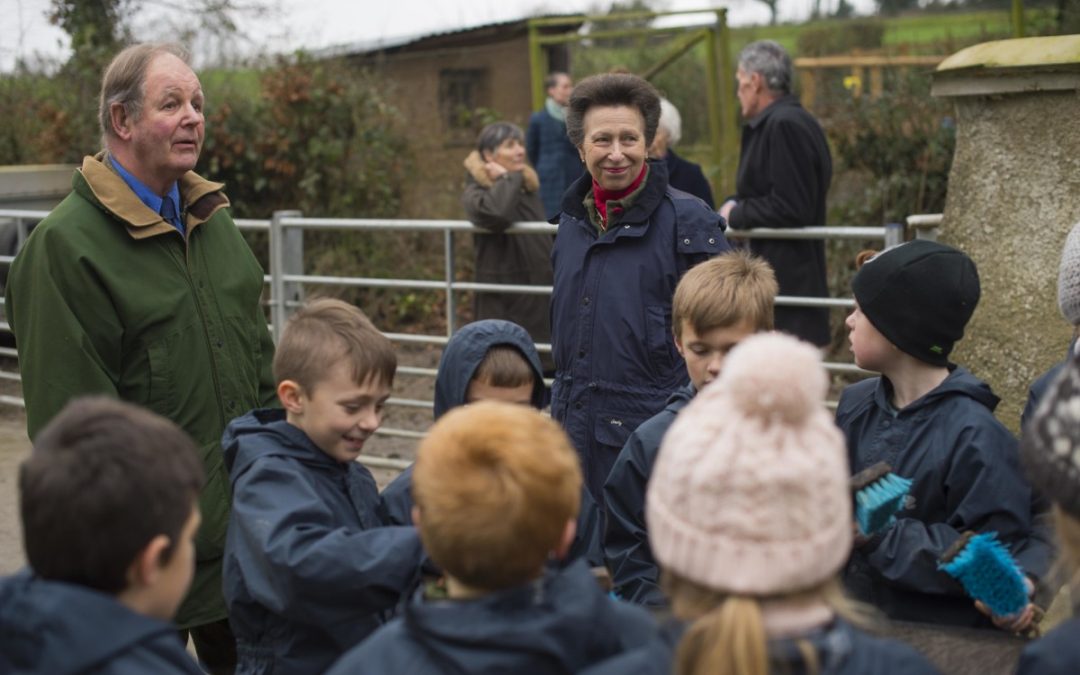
{"x":1014,"y":194}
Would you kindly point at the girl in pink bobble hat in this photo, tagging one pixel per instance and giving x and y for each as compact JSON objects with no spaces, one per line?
{"x":750,"y":518}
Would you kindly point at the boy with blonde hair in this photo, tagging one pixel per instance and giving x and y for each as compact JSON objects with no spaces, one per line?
{"x":497,"y":488}
{"x":310,"y":570}
{"x":109,"y":507}
{"x":717,"y":305}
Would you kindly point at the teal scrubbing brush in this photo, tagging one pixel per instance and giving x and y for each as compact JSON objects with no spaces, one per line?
{"x":987,"y":571}
{"x":879,"y":495}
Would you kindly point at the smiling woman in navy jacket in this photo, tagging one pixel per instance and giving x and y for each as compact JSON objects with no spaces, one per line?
{"x":625,"y":238}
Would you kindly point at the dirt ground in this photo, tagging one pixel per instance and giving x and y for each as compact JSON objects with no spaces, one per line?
{"x":14,"y":446}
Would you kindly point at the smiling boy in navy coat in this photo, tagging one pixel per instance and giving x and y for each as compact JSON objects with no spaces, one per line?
{"x":309,"y":569}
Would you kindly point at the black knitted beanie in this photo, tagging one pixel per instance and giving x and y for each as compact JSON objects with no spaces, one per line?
{"x":920,"y":296}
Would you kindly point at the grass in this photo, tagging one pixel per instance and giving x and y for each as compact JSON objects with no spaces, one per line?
{"x":922,"y":32}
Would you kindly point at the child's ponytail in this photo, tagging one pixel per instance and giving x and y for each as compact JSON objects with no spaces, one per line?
{"x":729,"y":640}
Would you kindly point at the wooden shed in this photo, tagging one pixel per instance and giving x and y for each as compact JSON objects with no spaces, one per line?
{"x":446,"y":85}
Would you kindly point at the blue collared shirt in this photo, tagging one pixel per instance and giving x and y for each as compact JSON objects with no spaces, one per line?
{"x":147,"y":196}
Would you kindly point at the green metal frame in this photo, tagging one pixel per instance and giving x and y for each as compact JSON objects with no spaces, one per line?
{"x":719,"y":90}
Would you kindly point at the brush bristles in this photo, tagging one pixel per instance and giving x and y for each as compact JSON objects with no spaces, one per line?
{"x":989,"y":574}
{"x":876,"y":505}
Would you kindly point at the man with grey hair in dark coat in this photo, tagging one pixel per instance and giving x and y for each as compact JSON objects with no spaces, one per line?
{"x":784,"y":174}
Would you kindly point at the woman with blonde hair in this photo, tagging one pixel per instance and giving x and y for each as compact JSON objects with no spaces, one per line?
{"x":750,"y":519}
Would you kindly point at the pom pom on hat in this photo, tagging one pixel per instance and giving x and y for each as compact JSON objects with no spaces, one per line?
{"x":750,"y":490}
{"x":790,"y":389}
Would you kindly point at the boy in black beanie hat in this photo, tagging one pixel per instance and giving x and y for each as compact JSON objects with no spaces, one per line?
{"x":933,"y":422}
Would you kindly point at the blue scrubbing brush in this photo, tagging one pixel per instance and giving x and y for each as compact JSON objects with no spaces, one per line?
{"x":879,"y":495}
{"x":987,"y":571}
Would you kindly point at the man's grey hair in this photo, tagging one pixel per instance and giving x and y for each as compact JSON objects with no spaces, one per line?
{"x":670,"y":121}
{"x":125,"y":78}
{"x":771,"y":61}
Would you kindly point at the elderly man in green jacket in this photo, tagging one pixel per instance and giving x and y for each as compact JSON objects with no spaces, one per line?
{"x":138,"y":285}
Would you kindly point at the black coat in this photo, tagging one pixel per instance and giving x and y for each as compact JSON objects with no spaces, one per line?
{"x":686,"y":176}
{"x":784,"y":174}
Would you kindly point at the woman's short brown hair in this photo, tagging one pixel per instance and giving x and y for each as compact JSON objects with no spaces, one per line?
{"x":612,"y":89}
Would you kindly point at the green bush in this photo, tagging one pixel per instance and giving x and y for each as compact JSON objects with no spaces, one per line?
{"x":841,"y":37}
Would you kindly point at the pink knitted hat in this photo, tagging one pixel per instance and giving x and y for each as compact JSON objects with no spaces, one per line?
{"x":750,"y":491}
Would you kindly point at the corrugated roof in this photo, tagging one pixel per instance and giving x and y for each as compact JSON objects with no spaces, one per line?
{"x":396,"y":42}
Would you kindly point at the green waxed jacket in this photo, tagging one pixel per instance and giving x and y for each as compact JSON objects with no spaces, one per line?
{"x":107,"y":298}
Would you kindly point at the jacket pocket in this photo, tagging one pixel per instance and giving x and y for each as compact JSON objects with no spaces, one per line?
{"x":162,"y":395}
{"x":613,"y":429}
{"x":658,"y":338}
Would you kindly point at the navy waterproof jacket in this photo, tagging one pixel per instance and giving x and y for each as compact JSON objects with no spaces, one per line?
{"x":616,"y":363}
{"x":559,"y":624}
{"x":554,"y":157}
{"x":966,"y":474}
{"x":309,"y":570}
{"x":1058,"y":653}
{"x":460,"y":359}
{"x":56,"y":628}
{"x":634,"y":573}
{"x":841,"y":650}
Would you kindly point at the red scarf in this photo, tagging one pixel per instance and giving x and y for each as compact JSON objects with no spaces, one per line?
{"x":601,"y":197}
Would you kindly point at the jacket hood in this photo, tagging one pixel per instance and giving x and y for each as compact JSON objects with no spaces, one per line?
{"x":57,"y":628}
{"x":265,"y":432}
{"x":467,"y":348}
{"x":680,"y":397}
{"x":474,"y":164}
{"x":563,"y":620}
{"x":960,"y":382}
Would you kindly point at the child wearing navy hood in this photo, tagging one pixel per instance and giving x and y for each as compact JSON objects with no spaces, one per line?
{"x":717,"y":305}
{"x":108,"y":501}
{"x":309,"y":569}
{"x":484,"y":361}
{"x":932,"y":422}
{"x":497,"y":488}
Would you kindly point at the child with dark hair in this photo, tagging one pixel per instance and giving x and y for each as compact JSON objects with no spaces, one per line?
{"x":497,"y":488}
{"x":309,"y":568}
{"x":108,"y":501}
{"x":932,"y":422}
{"x":484,"y":361}
{"x":716,"y":305}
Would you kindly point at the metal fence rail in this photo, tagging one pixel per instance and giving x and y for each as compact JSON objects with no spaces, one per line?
{"x":287,"y":279}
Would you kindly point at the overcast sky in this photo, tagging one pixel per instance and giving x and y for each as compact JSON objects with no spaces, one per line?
{"x":313,"y":24}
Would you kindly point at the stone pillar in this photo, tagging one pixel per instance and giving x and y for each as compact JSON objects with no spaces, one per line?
{"x":1014,"y":193}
